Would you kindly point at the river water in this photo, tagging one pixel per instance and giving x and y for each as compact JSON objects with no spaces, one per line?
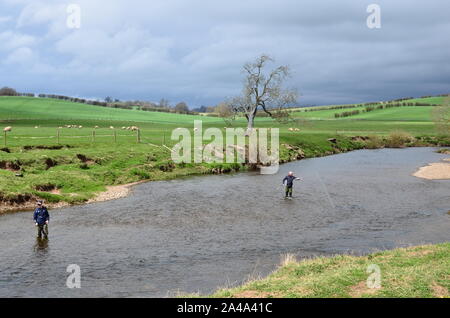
{"x":202,"y":233}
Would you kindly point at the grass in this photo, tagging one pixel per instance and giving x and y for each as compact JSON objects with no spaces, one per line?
{"x":80,"y":166}
{"x":421,"y":271}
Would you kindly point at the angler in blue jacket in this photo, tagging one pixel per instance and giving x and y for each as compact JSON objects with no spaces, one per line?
{"x":41,"y":219}
{"x":288,"y":181}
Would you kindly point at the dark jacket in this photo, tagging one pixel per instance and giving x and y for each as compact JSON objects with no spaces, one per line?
{"x":289,"y":180}
{"x":41,"y":215}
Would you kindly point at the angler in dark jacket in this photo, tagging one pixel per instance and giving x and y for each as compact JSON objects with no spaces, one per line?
{"x":288,"y":181}
{"x":41,"y":219}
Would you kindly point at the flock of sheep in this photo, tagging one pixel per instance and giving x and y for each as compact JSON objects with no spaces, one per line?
{"x":133,"y":128}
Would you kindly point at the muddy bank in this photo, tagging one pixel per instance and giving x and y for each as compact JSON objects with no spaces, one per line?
{"x":111,"y":193}
{"x":114,"y":192}
{"x":435,"y":171}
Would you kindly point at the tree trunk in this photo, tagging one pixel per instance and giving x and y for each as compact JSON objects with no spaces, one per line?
{"x":250,"y":120}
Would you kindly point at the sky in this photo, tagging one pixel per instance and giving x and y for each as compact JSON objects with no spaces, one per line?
{"x":194,"y":50}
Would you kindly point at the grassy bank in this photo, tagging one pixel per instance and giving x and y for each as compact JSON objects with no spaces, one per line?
{"x":421,"y":271}
{"x":71,"y":165}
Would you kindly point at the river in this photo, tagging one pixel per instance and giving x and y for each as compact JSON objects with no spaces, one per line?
{"x":201,"y":233}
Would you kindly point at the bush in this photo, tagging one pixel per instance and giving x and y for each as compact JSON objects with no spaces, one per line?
{"x":398,"y":139}
{"x":374,"y":142}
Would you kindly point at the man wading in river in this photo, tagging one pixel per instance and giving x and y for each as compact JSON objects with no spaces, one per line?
{"x":288,"y":181}
{"x":41,"y":218}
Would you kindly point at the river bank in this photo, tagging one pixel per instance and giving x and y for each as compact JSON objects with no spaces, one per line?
{"x":419,"y":271}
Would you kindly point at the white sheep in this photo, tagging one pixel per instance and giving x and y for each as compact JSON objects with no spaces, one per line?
{"x":9,"y":128}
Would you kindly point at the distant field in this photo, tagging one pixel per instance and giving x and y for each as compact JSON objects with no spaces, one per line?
{"x":24,"y":113}
{"x":87,"y":159}
{"x":45,"y":109}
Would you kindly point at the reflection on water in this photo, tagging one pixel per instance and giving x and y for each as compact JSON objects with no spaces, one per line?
{"x":198,"y":234}
{"x":41,"y":245}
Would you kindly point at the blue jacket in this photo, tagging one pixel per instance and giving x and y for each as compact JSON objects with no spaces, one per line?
{"x":41,"y":215}
{"x":289,"y":180}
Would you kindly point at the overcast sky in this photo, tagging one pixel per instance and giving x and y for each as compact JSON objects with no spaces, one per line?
{"x":193,"y":50}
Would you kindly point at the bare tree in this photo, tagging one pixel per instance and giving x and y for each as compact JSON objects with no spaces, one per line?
{"x":262,"y":90}
{"x":441,"y":116}
{"x":164,"y":103}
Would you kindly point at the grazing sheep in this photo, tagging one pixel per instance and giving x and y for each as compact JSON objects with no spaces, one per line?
{"x":123,"y":128}
{"x":79,"y":127}
{"x":36,"y":127}
{"x":95,"y":127}
{"x":9,"y":128}
{"x":291,"y":129}
{"x":111,"y":127}
{"x":134,"y":128}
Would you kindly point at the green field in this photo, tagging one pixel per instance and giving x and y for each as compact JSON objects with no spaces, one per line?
{"x":84,"y":164}
{"x":420,"y":271}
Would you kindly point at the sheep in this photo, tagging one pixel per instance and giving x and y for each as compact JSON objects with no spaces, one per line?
{"x":291,"y":129}
{"x":79,"y":127}
{"x":9,"y":128}
{"x":134,"y":128}
{"x":111,"y":127}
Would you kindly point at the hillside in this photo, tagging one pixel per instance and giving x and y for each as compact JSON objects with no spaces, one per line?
{"x":14,"y":108}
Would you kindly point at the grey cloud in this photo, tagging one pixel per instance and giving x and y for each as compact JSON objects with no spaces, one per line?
{"x":193,"y":50}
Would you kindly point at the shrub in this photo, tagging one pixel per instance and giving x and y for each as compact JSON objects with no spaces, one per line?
{"x":398,"y":139}
{"x":374,"y":142}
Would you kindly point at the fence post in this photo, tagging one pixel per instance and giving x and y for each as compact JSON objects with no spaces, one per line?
{"x":115,"y":136}
{"x":93,"y":135}
{"x":138,"y":135}
{"x":57,"y":134}
{"x":5,"y":137}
